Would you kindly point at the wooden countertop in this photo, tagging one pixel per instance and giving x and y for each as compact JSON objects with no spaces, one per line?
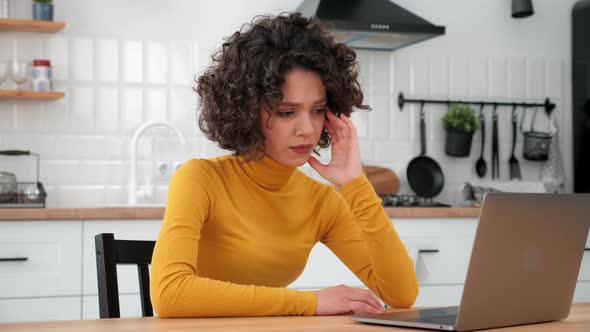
{"x":578,"y":321}
{"x":158,"y":213}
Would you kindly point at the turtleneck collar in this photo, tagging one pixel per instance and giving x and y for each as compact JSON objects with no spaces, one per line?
{"x":267,"y":172}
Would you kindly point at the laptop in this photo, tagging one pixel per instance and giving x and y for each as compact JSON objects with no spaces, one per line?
{"x":523,"y":268}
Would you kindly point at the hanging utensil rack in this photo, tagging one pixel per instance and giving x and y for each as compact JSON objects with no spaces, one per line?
{"x":548,"y":105}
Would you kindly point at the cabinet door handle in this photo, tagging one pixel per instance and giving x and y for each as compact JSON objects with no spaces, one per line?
{"x":427,"y":251}
{"x":14,"y":259}
{"x":586,"y":249}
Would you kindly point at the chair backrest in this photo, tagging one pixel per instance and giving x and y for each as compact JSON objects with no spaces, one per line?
{"x":109,"y":253}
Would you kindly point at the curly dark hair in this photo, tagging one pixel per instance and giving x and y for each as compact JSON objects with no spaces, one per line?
{"x":248,"y":72}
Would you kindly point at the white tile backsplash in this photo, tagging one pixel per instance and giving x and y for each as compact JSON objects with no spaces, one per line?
{"x":82,"y":59}
{"x":115,"y":83}
{"x":157,"y":62}
{"x":108,"y":60}
{"x":133,"y":61}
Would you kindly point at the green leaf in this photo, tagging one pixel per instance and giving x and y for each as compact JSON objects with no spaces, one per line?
{"x":461,"y":117}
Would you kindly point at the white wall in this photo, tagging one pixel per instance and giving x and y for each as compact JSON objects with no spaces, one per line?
{"x":125,"y":62}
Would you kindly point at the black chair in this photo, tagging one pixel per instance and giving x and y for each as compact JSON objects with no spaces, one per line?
{"x":109,"y":253}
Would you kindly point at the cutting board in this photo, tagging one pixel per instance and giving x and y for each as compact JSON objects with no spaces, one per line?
{"x":384,"y":180}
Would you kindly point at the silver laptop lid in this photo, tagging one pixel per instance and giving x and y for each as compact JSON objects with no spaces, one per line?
{"x":515,"y":279}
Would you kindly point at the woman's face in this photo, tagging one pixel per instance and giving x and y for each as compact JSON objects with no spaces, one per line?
{"x":294,"y":131}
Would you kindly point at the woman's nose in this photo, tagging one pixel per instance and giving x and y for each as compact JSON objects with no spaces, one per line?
{"x":304,"y":126}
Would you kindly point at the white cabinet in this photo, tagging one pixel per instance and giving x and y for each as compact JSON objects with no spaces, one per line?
{"x":129,"y":305}
{"x":39,"y":309}
{"x":52,"y":250}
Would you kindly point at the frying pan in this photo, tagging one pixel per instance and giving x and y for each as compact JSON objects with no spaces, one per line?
{"x":424,"y":174}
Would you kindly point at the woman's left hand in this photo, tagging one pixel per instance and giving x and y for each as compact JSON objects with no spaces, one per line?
{"x":345,"y":165}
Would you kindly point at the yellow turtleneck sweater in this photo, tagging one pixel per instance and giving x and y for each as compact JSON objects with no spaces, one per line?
{"x":236,"y":234}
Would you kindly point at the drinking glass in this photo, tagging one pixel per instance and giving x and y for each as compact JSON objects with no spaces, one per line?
{"x":3,"y":72}
{"x":20,"y":73}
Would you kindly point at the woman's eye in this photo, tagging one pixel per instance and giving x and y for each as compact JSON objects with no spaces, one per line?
{"x":284,"y":114}
{"x":320,"y":111}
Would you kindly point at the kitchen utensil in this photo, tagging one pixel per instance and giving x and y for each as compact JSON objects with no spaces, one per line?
{"x":513,"y":162}
{"x":384,"y":180}
{"x":495,"y":148}
{"x":4,"y":71}
{"x":536,"y":143}
{"x":481,"y":166}
{"x":424,"y":174}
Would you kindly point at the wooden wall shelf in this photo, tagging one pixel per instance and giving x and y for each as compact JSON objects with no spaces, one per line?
{"x":9,"y":24}
{"x":30,"y":95}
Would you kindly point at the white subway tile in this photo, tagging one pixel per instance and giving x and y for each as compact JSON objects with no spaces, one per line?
{"x":439,"y":76}
{"x":478,"y":77}
{"x":157,"y":62}
{"x":6,"y":47}
{"x":82,"y":109}
{"x":360,"y":119}
{"x":365,"y":71}
{"x":380,"y":117}
{"x":56,"y":50}
{"x":381,"y":72}
{"x":387,"y":151}
{"x":181,"y":63}
{"x":498,"y":68}
{"x":7,"y":117}
{"x":108,"y":60}
{"x":28,"y":48}
{"x":555,"y":74}
{"x":60,"y":172}
{"x":132,"y":111}
{"x":80,"y":147}
{"x":367,"y":150}
{"x":107,"y":109}
{"x":55,"y":116}
{"x":183,"y":107}
{"x":459,"y":76}
{"x":157,"y":105}
{"x":517,"y":78}
{"x":116,"y":147}
{"x":79,"y":196}
{"x":401,"y":122}
{"x":132,"y":61}
{"x":535,"y":79}
{"x":28,"y":116}
{"x":420,"y":74}
{"x":198,"y":67}
{"x":82,"y":59}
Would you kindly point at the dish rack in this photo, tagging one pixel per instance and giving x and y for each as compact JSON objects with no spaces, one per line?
{"x":28,"y":194}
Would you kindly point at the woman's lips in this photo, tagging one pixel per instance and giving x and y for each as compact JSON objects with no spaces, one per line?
{"x":302,"y":149}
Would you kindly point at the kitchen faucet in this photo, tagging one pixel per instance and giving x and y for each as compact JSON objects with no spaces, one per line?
{"x":132,"y":191}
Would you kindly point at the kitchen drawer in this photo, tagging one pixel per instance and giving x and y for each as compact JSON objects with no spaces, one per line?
{"x":324,"y":269}
{"x":122,"y":229}
{"x":441,"y":260}
{"x":129,"y":305}
{"x":40,"y":309}
{"x":53,"y":252}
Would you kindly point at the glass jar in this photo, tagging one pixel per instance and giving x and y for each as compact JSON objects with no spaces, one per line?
{"x":41,"y":75}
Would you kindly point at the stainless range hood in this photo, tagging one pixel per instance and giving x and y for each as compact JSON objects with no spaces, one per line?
{"x":371,"y":24}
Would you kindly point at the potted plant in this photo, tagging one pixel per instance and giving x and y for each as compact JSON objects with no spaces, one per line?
{"x":460,"y":124}
{"x":43,"y":10}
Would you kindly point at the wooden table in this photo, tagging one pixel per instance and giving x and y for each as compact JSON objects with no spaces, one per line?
{"x":578,"y":321}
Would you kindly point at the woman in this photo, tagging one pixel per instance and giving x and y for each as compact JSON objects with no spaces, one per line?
{"x":239,"y":228}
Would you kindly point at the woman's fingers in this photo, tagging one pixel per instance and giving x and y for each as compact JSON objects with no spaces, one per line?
{"x":363,"y":295}
{"x":363,"y":307}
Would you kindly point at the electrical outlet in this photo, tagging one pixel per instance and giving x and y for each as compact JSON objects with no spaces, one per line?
{"x":175,"y":165}
{"x":163,"y":170}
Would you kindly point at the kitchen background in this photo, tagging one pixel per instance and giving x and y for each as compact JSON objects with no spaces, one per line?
{"x":122,"y":63}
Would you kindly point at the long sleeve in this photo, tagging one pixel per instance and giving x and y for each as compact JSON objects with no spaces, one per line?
{"x":176,"y":288}
{"x":364,"y":239}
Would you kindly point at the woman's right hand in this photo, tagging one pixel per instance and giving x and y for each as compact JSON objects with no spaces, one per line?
{"x":343,"y":299}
